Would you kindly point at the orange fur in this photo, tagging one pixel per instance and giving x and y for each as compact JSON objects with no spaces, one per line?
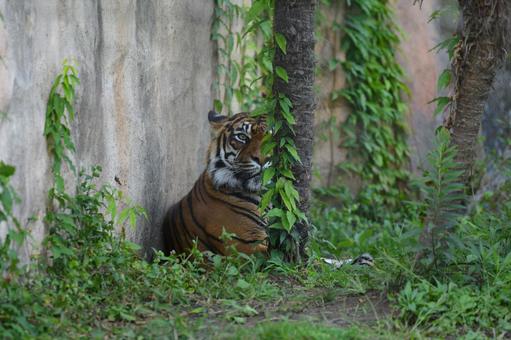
{"x":206,"y":211}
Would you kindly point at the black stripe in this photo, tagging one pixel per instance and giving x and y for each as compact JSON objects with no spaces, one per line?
{"x":219,"y":164}
{"x":245,"y":198}
{"x":188,"y":238}
{"x":218,"y":145}
{"x":201,"y":227}
{"x":188,"y":231}
{"x":198,"y":185}
{"x":254,"y":218}
{"x":195,"y":192}
{"x":245,"y":212}
{"x":241,"y":117}
{"x":208,"y":234}
{"x":227,"y":154}
{"x":224,"y":141}
{"x":191,"y":237}
{"x":251,"y":216}
{"x":174,"y":231}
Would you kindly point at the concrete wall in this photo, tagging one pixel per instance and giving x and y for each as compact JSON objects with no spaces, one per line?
{"x":146,"y":70}
{"x":422,"y":68}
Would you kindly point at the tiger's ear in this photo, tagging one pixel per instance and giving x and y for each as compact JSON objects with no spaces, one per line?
{"x":262,"y":127}
{"x":216,"y":120}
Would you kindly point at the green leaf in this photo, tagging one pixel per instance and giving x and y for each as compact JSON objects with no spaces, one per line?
{"x":292,"y":151}
{"x":290,"y":190}
{"x":268,"y":174}
{"x":288,"y":201}
{"x":266,"y":199}
{"x":242,"y":284}
{"x":6,"y":170}
{"x":441,"y":103}
{"x":291,"y":218}
{"x":281,"y":42}
{"x":444,"y":80}
{"x":217,"y":105}
{"x":282,"y":73}
{"x":255,"y":10}
{"x":275,"y":212}
{"x":287,"y":173}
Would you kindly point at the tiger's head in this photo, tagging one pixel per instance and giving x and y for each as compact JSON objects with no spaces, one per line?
{"x":234,"y":156}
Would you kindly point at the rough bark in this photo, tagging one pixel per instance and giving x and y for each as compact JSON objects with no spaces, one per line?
{"x":295,"y":20}
{"x":484,"y":31}
{"x":479,"y":55}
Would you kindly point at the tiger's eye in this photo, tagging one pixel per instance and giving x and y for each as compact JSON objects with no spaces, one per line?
{"x":241,"y":137}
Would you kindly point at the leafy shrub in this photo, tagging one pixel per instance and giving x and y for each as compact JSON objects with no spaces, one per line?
{"x":447,"y":308}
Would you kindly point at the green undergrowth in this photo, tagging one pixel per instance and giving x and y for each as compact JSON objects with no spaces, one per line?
{"x":302,"y":330}
{"x":91,"y":281}
{"x":461,"y":284}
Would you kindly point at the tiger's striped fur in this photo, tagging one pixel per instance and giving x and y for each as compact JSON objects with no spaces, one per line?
{"x":225,"y":197}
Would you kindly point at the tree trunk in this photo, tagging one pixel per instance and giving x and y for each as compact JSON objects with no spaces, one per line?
{"x":479,"y":55}
{"x":295,"y":20}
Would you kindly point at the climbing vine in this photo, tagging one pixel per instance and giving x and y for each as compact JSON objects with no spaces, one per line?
{"x":374,"y":132}
{"x":250,"y":79}
{"x":77,"y":225}
{"x":59,"y":115}
{"x":241,"y":33}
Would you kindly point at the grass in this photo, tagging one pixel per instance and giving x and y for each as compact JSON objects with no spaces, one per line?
{"x":119,"y":295}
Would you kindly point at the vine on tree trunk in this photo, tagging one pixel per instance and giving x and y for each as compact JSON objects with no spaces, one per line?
{"x":252,"y":78}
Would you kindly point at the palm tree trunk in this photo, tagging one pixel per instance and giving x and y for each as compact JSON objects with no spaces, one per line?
{"x":479,"y":55}
{"x":295,"y":20}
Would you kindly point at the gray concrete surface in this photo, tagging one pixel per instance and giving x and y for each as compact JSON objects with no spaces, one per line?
{"x":146,"y":71}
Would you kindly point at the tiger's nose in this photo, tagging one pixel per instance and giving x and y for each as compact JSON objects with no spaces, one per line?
{"x":257,"y":160}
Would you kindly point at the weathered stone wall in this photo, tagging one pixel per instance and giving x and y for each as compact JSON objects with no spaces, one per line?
{"x":422,"y":68}
{"x":146,"y":70}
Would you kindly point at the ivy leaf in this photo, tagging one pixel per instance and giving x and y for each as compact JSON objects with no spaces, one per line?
{"x":282,"y":73}
{"x":444,"y":80}
{"x":290,"y":190}
{"x":289,"y":202}
{"x":266,"y":199}
{"x":281,"y":42}
{"x":255,"y":10}
{"x":268,"y":174}
{"x":292,"y":151}
{"x":291,"y":218}
{"x":441,"y":103}
{"x":266,"y":148}
{"x":275,"y":212}
{"x":287,"y":173}
{"x":6,"y":170}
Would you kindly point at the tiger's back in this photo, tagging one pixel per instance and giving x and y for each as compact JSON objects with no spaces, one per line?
{"x":225,"y":197}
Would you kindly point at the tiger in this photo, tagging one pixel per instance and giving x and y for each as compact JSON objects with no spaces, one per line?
{"x":226,"y":195}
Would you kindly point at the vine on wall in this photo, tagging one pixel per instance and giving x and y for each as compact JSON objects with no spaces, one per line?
{"x":374,"y":132}
{"x":77,"y":226}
